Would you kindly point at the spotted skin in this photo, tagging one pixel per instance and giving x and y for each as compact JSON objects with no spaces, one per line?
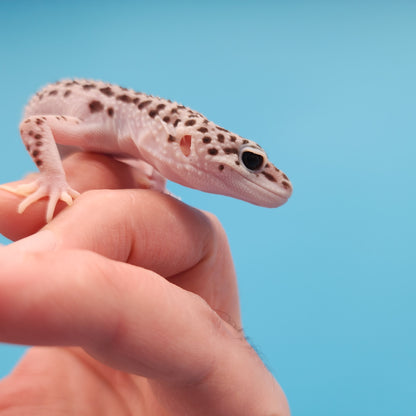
{"x":162,"y":139}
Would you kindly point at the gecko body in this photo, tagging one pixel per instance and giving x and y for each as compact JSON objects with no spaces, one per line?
{"x":162,"y":139}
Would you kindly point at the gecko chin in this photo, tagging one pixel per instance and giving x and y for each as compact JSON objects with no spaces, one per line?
{"x":260,"y":195}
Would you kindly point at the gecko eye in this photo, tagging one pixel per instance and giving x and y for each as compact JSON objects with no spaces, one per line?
{"x":252,"y":159}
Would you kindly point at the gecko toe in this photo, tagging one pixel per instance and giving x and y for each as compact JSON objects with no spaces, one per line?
{"x":30,"y":199}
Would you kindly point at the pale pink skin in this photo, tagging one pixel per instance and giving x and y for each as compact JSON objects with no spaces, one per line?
{"x":162,"y":139}
{"x":133,"y":311}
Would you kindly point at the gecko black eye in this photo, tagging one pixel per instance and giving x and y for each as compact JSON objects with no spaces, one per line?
{"x":252,"y":160}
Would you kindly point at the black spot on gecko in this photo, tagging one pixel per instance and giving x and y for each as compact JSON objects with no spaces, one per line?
{"x":38,"y":136}
{"x":221,"y":138}
{"x":73,"y":82}
{"x":125,"y":98}
{"x":166,"y":119}
{"x":53,"y":92}
{"x":285,"y":184}
{"x":39,"y":121}
{"x":245,"y":141}
{"x":95,"y":106}
{"x":269,"y":177}
{"x":220,"y":128}
{"x":203,"y":129}
{"x":177,"y":121}
{"x":107,"y":91}
{"x":213,"y":151}
{"x":160,"y":107}
{"x":190,"y":122}
{"x":67,"y":93}
{"x":237,"y":163}
{"x":206,"y":139}
{"x":39,"y":163}
{"x":171,"y":138}
{"x":39,"y":143}
{"x":110,"y":111}
{"x":88,"y":87}
{"x":144,"y":104}
{"x":153,"y":113}
{"x":221,"y":167}
{"x":30,"y":133}
{"x":35,"y":153}
{"x":285,"y":177}
{"x":174,"y":110}
{"x":233,"y":138}
{"x":136,"y":100}
{"x":229,"y":150}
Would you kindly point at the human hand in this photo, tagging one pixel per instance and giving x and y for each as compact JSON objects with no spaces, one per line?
{"x":131,"y":299}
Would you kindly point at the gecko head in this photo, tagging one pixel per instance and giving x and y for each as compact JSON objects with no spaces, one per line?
{"x":246,"y":173}
{"x":235,"y":167}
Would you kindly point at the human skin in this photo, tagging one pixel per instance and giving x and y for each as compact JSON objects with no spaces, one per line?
{"x":131,"y":301}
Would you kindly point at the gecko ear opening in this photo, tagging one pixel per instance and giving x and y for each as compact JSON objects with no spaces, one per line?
{"x":185,"y":144}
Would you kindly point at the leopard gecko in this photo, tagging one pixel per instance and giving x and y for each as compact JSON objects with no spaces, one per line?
{"x":162,"y":139}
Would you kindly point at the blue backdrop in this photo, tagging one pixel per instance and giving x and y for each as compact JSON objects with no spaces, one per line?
{"x":328,"y":88}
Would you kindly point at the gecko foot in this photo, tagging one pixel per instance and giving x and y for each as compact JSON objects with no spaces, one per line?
{"x":41,"y":188}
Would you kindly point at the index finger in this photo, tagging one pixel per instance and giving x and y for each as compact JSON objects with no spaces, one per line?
{"x":140,"y":227}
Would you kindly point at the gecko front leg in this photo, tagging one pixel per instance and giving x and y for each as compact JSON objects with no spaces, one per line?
{"x":38,"y":136}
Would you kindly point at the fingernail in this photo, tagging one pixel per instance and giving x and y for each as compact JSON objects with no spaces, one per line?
{"x":44,"y":240}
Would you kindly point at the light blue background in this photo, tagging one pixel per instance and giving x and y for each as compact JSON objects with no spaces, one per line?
{"x":328,"y":88}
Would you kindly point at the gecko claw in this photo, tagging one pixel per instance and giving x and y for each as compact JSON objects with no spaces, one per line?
{"x":67,"y":197}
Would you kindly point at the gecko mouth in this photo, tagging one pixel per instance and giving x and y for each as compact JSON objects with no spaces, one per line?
{"x":280,"y":188}
{"x":247,"y":189}
{"x":283,"y":192}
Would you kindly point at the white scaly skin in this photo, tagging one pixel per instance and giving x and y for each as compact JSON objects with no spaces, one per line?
{"x":162,"y":139}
